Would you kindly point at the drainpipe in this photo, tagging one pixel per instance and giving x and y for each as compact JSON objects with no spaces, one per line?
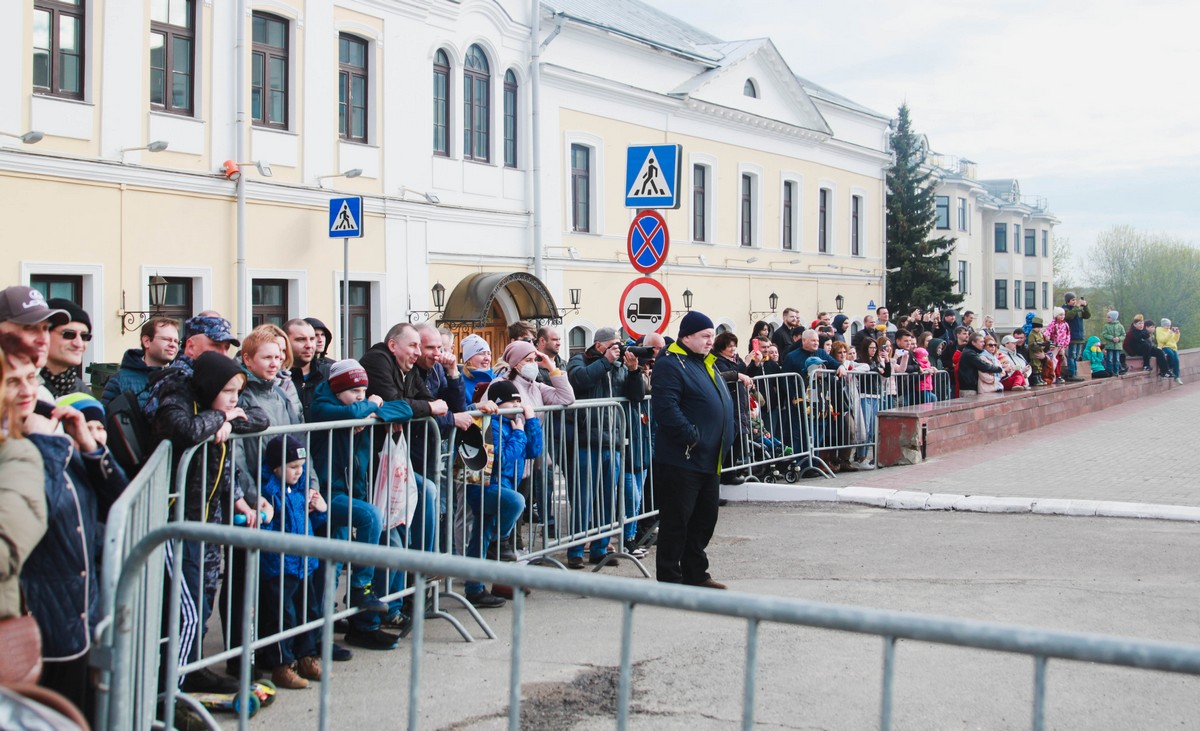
{"x":239,"y":131}
{"x":535,"y":82}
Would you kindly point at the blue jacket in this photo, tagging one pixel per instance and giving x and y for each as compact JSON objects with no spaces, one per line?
{"x":291,"y":516}
{"x":134,"y":375}
{"x":692,"y":414}
{"x":60,"y":578}
{"x":794,"y":361}
{"x":513,"y":447}
{"x":349,"y":464}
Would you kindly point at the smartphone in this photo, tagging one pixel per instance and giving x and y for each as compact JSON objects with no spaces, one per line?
{"x":755,"y":345}
{"x":43,"y":408}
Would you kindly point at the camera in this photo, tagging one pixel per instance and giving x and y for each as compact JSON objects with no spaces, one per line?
{"x":644,"y":355}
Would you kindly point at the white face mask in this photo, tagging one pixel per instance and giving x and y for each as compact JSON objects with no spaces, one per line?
{"x":529,"y":370}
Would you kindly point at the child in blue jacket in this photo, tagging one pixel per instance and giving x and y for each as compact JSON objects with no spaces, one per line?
{"x":496,"y":506}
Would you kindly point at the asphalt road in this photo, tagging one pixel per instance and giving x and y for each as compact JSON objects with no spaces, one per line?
{"x":1133,"y":578}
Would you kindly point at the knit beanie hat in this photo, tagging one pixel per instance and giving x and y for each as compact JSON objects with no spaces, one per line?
{"x":693,"y":322}
{"x":1069,"y":297}
{"x":346,"y":374}
{"x":1059,"y":311}
{"x":517,"y":351}
{"x":604,"y":334}
{"x":75,"y":311}
{"x":473,"y":345}
{"x":92,"y":409}
{"x":1114,"y":315}
{"x":212,"y":370}
{"x":283,"y":449}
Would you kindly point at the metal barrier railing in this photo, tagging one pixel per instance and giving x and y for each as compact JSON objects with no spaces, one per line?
{"x":890,"y":626}
{"x":913,"y":389}
{"x":773,"y":440}
{"x":843,"y":414}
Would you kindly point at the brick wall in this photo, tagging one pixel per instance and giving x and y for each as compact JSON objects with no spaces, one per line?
{"x":909,"y":434}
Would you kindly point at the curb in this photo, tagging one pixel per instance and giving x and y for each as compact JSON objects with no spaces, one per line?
{"x":906,"y":500}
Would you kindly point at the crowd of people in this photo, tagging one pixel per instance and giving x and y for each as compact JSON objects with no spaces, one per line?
{"x":196,"y":385}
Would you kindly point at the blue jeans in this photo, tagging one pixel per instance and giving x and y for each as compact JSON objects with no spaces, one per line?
{"x":1172,"y":358}
{"x":1112,"y":361}
{"x":345,"y":513}
{"x":1074,"y":353}
{"x":870,"y":409}
{"x":929,"y":397}
{"x":420,"y":536}
{"x":594,"y":473}
{"x":635,"y":485}
{"x":494,"y":512}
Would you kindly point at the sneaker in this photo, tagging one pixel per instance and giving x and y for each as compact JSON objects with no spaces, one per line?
{"x":309,"y":668}
{"x":1059,"y":381}
{"x":208,"y":681}
{"x":285,"y":676}
{"x":575,"y":562}
{"x":1179,"y":380}
{"x":849,"y":467}
{"x":342,"y":654}
{"x":365,"y":600}
{"x":633,"y":549}
{"x":865,"y":464}
{"x":375,"y":639}
{"x":484,"y":599}
{"x":398,"y":621}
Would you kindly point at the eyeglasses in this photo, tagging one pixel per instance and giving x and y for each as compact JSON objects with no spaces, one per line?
{"x":168,"y":341}
{"x":70,"y":335}
{"x":990,"y":345}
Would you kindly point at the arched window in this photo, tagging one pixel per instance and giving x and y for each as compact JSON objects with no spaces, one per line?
{"x":750,"y":89}
{"x":441,"y":103}
{"x":510,"y":119}
{"x":476,"y":82}
{"x":577,"y":340}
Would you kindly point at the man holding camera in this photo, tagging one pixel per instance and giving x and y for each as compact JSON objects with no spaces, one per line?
{"x":605,"y":370}
{"x":1076,"y":309}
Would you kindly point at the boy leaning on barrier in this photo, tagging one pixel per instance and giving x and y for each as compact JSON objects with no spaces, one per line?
{"x":346,"y":457}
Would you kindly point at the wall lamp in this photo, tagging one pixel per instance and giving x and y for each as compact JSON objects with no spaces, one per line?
{"x":790,"y":261}
{"x":439,"y":304}
{"x":751,"y":260}
{"x":773,"y":301}
{"x":132,"y":320}
{"x":351,"y":173}
{"x":32,"y":137}
{"x":687,"y":300}
{"x":839,"y":302}
{"x":155,"y":146}
{"x":575,"y":297}
{"x":430,"y":198}
{"x":698,"y":257}
{"x":570,"y":250}
{"x":233,"y":170}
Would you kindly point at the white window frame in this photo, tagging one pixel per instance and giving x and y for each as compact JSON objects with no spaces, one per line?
{"x":710,"y":195}
{"x":596,"y":187}
{"x":756,"y":205}
{"x":297,"y":294}
{"x":375,"y":328}
{"x":91,"y":293}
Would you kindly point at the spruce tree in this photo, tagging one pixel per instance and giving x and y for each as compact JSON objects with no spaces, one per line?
{"x":924,"y":278}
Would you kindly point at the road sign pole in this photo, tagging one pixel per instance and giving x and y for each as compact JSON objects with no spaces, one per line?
{"x":346,"y":299}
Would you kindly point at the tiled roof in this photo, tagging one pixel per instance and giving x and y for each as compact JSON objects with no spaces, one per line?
{"x":817,"y":91}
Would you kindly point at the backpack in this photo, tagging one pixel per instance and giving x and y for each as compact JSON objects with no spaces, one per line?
{"x":130,"y":438}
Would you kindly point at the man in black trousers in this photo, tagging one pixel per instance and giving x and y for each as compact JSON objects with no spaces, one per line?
{"x":693,"y":426}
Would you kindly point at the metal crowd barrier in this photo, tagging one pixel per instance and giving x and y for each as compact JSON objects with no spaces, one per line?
{"x":773,"y":441}
{"x":906,"y":389}
{"x":891,"y":626}
{"x":843,"y":416}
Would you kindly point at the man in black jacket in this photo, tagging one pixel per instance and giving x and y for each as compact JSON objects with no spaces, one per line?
{"x":783,"y":336}
{"x":693,"y":427}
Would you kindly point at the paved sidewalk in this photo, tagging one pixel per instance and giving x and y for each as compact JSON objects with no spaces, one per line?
{"x":1142,"y":451}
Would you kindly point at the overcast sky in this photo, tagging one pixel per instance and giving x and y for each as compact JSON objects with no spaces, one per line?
{"x":1093,"y":106}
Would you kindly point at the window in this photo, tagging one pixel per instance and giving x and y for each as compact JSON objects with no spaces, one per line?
{"x":962,"y":214}
{"x":856,"y":225}
{"x":58,"y":51}
{"x":962,"y":277}
{"x":581,"y":188}
{"x":352,"y":88}
{"x":1045,"y":295}
{"x":1001,"y":237}
{"x":269,"y":72}
{"x":510,"y":119}
{"x":823,"y":221}
{"x":441,"y":103}
{"x":699,"y":203}
{"x":172,"y":55}
{"x":750,"y":89}
{"x":1045,"y":243}
{"x":178,"y":301}
{"x":747,"y":210}
{"x":60,"y":286}
{"x":942,"y":203}
{"x":476,"y":80}
{"x":268,"y":302}
{"x":1001,"y":294}
{"x":1031,"y":295}
{"x":1030,"y":242}
{"x":1016,"y":238}
{"x":1017,"y":294}
{"x":360,"y":316}
{"x":789,"y":198}
{"x":577,"y":340}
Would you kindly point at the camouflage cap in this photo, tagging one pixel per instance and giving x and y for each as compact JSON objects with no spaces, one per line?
{"x":216,"y":329}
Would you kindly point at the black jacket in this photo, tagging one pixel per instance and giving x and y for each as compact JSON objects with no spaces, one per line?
{"x":782,"y":337}
{"x":60,"y":577}
{"x":386,"y":380}
{"x":693,"y":414}
{"x":306,"y":386}
{"x":970,"y":364}
{"x":592,"y":377}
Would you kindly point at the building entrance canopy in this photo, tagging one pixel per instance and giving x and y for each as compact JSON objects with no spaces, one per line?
{"x":471,"y":301}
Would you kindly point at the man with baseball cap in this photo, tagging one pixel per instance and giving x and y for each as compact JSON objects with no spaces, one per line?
{"x":25,"y":313}
{"x":205,"y":332}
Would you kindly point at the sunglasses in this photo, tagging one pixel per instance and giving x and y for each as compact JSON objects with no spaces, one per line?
{"x":70,"y":335}
{"x":990,"y":345}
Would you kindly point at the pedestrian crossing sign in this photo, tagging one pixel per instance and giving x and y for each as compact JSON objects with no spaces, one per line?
{"x":652,"y":176}
{"x":345,"y":218}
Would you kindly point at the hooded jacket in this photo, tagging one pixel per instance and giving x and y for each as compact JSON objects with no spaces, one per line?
{"x":592,"y":376}
{"x":291,"y":515}
{"x":134,"y":375}
{"x":1094,"y":352}
{"x":838,"y":333}
{"x":1076,"y":314}
{"x":345,"y":455}
{"x":1113,"y":335}
{"x":60,"y":577}
{"x":514,"y":448}
{"x":692,"y":414}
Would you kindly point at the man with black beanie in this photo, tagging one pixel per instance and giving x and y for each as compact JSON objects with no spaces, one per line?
{"x":693,"y":427}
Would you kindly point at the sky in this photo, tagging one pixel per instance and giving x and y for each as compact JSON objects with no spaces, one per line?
{"x":1092,"y":106}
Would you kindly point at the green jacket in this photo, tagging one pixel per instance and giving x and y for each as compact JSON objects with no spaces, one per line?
{"x":1112,"y":335}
